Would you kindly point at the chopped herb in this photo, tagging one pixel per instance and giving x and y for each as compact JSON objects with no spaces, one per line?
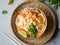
{"x":32,"y":35}
{"x":4,"y":12}
{"x":33,"y":30}
{"x":10,"y":2}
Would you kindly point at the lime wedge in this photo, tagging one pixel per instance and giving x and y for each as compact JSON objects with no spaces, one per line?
{"x":22,"y":33}
{"x":10,"y":2}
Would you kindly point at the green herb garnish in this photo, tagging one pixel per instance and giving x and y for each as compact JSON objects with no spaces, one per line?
{"x":56,"y":6}
{"x":53,"y":1}
{"x":41,"y":0}
{"x":56,"y":3}
{"x":33,"y":30}
{"x":10,"y":2}
{"x":4,"y":12}
{"x":32,"y":35}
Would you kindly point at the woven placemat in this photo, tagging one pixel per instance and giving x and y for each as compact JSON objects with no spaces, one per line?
{"x":51,"y":22}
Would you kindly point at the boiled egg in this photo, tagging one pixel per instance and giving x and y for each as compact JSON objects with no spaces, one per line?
{"x":41,"y":18}
{"x":40,"y":27}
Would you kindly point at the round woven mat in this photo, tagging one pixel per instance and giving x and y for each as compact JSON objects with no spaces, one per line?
{"x":51,"y":23}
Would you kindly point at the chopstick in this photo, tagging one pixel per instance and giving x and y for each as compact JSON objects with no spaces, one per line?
{"x":13,"y":39}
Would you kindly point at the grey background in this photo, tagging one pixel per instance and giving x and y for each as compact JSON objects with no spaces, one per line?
{"x":6,"y":27}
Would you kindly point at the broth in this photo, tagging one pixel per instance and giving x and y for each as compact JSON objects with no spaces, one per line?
{"x":31,"y":22}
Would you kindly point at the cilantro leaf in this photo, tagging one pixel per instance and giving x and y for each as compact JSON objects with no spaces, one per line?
{"x":4,"y":12}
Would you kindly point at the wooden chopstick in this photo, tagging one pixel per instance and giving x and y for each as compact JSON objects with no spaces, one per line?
{"x":12,"y":38}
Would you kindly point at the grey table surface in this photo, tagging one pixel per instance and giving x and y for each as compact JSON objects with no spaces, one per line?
{"x":6,"y":27}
